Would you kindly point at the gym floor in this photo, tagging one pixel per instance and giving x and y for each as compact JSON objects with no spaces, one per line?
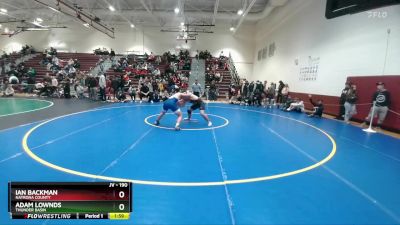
{"x":254,"y":166}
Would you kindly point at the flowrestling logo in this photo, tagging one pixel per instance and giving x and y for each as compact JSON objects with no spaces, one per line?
{"x":48,"y":216}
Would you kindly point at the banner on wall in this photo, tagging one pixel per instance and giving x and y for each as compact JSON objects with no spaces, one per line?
{"x":308,"y":70}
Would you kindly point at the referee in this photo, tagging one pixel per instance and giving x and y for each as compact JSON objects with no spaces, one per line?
{"x":196,"y":88}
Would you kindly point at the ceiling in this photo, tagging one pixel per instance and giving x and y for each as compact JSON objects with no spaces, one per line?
{"x":142,"y":13}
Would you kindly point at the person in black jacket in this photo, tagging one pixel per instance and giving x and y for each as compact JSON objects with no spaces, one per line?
{"x":342,"y":100}
{"x":382,"y":102}
{"x":144,"y":92}
{"x":318,"y":107}
{"x":91,"y":84}
{"x":112,"y":54}
{"x":350,"y":103}
{"x":244,"y":91}
{"x":115,"y":84}
{"x":279,"y":96}
{"x":67,"y":89}
{"x":257,"y":93}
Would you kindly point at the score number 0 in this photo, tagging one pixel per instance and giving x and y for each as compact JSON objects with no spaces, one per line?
{"x":121,"y":194}
{"x":121,"y":206}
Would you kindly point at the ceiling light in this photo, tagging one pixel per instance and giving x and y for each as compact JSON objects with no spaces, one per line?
{"x":1,"y":25}
{"x":86,"y":25}
{"x":56,"y":10}
{"x":232,"y":29}
{"x":182,"y":24}
{"x":240,"y":12}
{"x":37,"y":29}
{"x":132,"y":25}
{"x":6,"y":30}
{"x":3,"y":10}
{"x":176,"y":10}
{"x":39,"y":20}
{"x":111,"y":8}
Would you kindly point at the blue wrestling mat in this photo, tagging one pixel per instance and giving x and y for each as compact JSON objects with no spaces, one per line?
{"x":253,"y":166}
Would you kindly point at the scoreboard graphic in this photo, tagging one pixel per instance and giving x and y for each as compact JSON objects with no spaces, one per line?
{"x":70,"y":200}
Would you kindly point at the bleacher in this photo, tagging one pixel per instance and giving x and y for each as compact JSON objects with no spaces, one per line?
{"x":110,"y":73}
{"x":86,"y":60}
{"x":14,"y":56}
{"x":35,"y":63}
{"x":223,"y":86}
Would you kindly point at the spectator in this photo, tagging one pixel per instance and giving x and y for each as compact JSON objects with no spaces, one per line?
{"x":102,"y":86}
{"x":152,"y":57}
{"x":165,"y":95}
{"x":13,"y":79}
{"x":257,"y":94}
{"x":70,"y":62}
{"x":271,"y":95}
{"x":3,"y":84}
{"x":342,"y":100}
{"x":218,"y":77}
{"x":132,"y":92}
{"x":382,"y":102}
{"x":297,"y":106}
{"x":112,"y":54}
{"x":9,"y":92}
{"x":161,"y":87}
{"x":318,"y":108}
{"x":31,"y":84}
{"x":79,"y":90}
{"x":250,"y":95}
{"x":244,"y":91}
{"x":279,"y":96}
{"x":221,"y":55}
{"x":285,"y":93}
{"x":44,"y":88}
{"x":349,"y":104}
{"x":115,"y":86}
{"x":158,"y":60}
{"x":156,"y":72}
{"x":52,"y":51}
{"x":77,"y":64}
{"x":121,"y":96}
{"x":156,"y":96}
{"x":213,"y":91}
{"x":265,"y":90}
{"x":31,"y":72}
{"x":232,"y":92}
{"x":54,"y":85}
{"x":67,"y":89}
{"x":92,"y":84}
{"x":144,"y":92}
{"x":7,"y":67}
{"x":151,"y":91}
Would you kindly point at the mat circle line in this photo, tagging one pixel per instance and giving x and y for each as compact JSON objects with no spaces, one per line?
{"x":146,"y":120}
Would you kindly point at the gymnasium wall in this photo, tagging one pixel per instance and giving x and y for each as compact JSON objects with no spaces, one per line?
{"x":350,"y":45}
{"x":366,"y":87}
{"x":81,"y":39}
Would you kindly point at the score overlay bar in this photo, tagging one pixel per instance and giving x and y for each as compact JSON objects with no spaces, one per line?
{"x":70,"y":200}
